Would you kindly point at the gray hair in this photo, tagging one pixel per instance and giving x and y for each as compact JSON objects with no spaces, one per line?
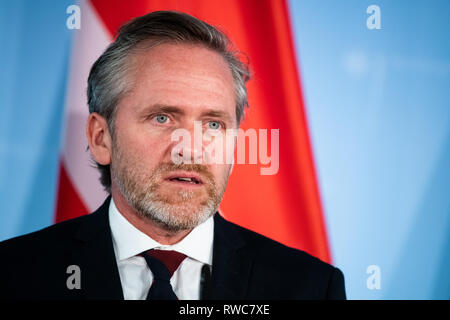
{"x":108,"y":82}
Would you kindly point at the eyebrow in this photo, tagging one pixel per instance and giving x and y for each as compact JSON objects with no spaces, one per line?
{"x":164,"y":108}
{"x":177,"y":110}
{"x":217,"y":114}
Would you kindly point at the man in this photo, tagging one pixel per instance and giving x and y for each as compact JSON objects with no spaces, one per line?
{"x":158,"y":235}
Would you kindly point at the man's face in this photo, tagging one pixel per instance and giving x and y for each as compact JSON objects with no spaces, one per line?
{"x":173,"y":86}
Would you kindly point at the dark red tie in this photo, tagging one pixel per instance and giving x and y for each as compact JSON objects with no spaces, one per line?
{"x":163,"y":264}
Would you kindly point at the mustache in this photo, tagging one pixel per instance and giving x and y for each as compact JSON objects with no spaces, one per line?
{"x":198,"y":168}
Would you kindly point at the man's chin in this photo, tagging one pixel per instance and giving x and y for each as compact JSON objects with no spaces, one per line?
{"x":181,"y":197}
{"x":177,"y":217}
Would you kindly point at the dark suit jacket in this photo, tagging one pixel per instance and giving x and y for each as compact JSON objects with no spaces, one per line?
{"x":246,"y":265}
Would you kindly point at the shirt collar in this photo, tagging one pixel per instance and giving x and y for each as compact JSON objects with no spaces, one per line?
{"x":128,"y":241}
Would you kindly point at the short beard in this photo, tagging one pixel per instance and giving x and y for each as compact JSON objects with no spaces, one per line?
{"x":171,"y":212}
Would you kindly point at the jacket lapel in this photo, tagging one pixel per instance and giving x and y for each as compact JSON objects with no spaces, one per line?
{"x":231,"y":266}
{"x":100,"y":277}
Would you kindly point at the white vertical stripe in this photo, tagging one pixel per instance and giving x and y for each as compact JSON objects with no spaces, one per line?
{"x":90,"y":41}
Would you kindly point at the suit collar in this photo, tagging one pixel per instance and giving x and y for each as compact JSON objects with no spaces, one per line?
{"x":231,"y":266}
{"x":129,"y":241}
{"x":100,"y":275}
{"x":99,"y":272}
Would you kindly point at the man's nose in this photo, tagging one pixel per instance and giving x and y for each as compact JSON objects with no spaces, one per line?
{"x":191,"y":154}
{"x":189,"y":150}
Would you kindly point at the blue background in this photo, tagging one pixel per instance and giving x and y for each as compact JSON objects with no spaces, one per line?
{"x":35,"y":50}
{"x":379,"y":115}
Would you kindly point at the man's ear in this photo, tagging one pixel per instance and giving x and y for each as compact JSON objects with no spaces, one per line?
{"x":99,"y":138}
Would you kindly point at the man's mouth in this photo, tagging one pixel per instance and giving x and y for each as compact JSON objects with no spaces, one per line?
{"x":190,"y":180}
{"x":185,"y":178}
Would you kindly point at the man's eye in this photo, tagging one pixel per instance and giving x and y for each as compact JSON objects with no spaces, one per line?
{"x":162,"y":118}
{"x":214,"y":125}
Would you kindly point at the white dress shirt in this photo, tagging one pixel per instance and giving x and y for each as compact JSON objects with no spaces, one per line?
{"x":135,"y":275}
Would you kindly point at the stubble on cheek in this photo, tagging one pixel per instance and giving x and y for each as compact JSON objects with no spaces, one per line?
{"x":147,"y":185}
{"x":153,"y":198}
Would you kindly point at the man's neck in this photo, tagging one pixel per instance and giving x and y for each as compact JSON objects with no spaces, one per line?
{"x":150,"y":228}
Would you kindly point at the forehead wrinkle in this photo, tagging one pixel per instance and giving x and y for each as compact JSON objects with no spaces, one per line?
{"x":149,"y":62}
{"x":159,"y":73}
{"x":202,"y":82}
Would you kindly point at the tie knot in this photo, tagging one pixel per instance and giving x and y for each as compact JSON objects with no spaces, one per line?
{"x":169,"y":258}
